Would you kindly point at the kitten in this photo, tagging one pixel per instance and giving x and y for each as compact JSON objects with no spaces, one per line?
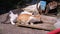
{"x":51,"y":6}
{"x":12,"y":15}
{"x":26,"y":18}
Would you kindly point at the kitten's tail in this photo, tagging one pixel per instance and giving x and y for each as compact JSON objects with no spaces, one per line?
{"x":7,"y":18}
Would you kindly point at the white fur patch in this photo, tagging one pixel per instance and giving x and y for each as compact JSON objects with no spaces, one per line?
{"x":51,"y":8}
{"x":26,"y":12}
{"x":33,"y":19}
{"x":31,"y":7}
{"x":12,"y":17}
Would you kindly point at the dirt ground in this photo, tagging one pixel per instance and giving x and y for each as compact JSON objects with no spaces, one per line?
{"x":11,"y":29}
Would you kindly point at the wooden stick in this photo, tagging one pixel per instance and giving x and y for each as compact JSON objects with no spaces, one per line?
{"x":38,"y":26}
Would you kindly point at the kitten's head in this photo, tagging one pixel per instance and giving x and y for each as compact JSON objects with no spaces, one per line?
{"x":52,"y":5}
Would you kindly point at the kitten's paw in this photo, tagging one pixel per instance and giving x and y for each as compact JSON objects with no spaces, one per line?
{"x":31,"y":23}
{"x":13,"y":23}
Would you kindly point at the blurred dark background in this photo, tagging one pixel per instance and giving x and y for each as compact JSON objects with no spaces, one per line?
{"x":6,"y":5}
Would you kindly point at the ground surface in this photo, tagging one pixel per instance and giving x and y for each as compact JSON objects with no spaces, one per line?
{"x":11,"y":29}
